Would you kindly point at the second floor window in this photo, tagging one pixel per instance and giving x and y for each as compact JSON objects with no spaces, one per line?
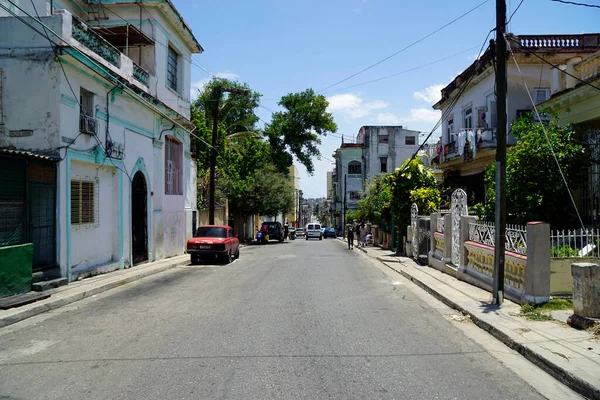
{"x":410,"y":140}
{"x":383,"y":138}
{"x":173,"y":167}
{"x":354,"y":168}
{"x":468,"y":122}
{"x":86,"y":101}
{"x":450,"y":130}
{"x":383,"y":163}
{"x":172,"y":68}
{"x":541,"y":94}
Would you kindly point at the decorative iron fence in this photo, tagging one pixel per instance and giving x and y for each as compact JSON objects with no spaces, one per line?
{"x":575,"y":243}
{"x":484,"y":233}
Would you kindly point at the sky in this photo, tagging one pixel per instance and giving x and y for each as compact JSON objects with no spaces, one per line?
{"x":286,"y":46}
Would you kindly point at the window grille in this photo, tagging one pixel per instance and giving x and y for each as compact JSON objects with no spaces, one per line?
{"x":383,"y":139}
{"x":173,"y":167}
{"x":84,"y":202}
{"x":410,"y":140}
{"x":172,"y":68}
{"x":383,"y":163}
{"x":354,"y":168}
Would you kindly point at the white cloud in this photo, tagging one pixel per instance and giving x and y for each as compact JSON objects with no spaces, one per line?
{"x":387,"y":118}
{"x":353,"y":106}
{"x":198,"y":86}
{"x":424,"y":115}
{"x":430,"y":94}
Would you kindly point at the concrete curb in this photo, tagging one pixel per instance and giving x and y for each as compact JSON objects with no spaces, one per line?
{"x":60,"y":299}
{"x":557,"y":372}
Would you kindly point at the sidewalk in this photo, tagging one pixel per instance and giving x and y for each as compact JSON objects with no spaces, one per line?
{"x":79,"y":290}
{"x":569,"y":355}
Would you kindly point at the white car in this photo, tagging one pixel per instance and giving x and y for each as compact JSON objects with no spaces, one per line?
{"x":300,"y":232}
{"x":314,"y":231}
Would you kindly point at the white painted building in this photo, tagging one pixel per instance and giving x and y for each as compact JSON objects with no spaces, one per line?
{"x":101,"y":101}
{"x":468,"y":142}
{"x":385,"y":148}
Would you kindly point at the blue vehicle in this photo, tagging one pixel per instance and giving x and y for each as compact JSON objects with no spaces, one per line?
{"x":329,"y":232}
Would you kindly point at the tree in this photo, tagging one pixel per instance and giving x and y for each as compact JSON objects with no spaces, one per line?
{"x":296,"y":131}
{"x":413,"y":182}
{"x":535,"y":190}
{"x":371,"y":207}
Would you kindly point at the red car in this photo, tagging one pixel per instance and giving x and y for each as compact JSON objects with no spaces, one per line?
{"x":214,"y":241}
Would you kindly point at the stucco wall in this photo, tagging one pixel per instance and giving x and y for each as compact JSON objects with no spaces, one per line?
{"x":396,"y":150}
{"x":94,"y":244}
{"x":535,"y":75}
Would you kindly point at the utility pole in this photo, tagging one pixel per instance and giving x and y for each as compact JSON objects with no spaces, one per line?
{"x":501,"y":85}
{"x":213,"y":150}
{"x":344,"y":218}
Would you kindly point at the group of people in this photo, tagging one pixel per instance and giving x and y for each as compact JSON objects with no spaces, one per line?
{"x":361,"y":232}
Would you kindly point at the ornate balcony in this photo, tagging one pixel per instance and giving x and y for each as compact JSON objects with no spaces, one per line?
{"x":140,"y":74}
{"x":97,"y":44}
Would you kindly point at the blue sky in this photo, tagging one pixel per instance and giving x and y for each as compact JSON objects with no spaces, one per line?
{"x":284,"y":46}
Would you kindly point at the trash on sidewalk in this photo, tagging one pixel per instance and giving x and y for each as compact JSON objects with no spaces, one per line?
{"x":460,"y":318}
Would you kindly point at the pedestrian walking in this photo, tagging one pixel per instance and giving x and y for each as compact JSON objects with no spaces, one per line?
{"x":363,"y":235}
{"x":350,"y":237}
{"x":357,"y":231}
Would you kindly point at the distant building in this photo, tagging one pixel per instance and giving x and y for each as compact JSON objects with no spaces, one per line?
{"x":385,"y":148}
{"x":329,"y":185}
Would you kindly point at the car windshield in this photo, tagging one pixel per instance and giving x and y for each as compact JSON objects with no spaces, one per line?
{"x":211,"y":231}
{"x":300,"y":229}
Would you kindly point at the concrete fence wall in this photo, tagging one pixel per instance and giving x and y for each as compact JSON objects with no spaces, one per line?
{"x":527,"y":277}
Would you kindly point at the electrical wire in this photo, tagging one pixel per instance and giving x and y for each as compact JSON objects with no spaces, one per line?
{"x":577,"y":4}
{"x":451,"y":106}
{"x":406,"y":47}
{"x":401,"y":72}
{"x":514,"y":12}
{"x":547,"y":138}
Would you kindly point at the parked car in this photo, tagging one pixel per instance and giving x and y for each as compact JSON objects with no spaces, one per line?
{"x":300,"y":232}
{"x":329,"y":232}
{"x":314,"y":231}
{"x":213,"y":241}
{"x":275,"y":230}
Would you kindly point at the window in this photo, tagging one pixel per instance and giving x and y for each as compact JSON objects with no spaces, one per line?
{"x":172,"y":67}
{"x":541,"y":94}
{"x":354,"y":167}
{"x":383,"y":163}
{"x":383,"y":139}
{"x":481,"y":118}
{"x":450,"y":130}
{"x":355,"y":195}
{"x":173,"y":167}
{"x":490,"y":115}
{"x":410,"y":140}
{"x":468,"y":118}
{"x":83,"y":202}
{"x":86,"y":100}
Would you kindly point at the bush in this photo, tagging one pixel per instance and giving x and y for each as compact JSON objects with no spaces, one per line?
{"x":564,"y":250}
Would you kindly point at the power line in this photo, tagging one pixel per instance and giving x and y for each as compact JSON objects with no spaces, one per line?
{"x":547,"y":139}
{"x":514,"y":12}
{"x":405,"y":48}
{"x":577,"y":4}
{"x":401,"y":72}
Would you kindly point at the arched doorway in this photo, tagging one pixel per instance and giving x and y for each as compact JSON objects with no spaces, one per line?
{"x":139,"y":218}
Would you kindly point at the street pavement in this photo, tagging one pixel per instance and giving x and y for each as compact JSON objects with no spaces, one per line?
{"x":296,"y":320}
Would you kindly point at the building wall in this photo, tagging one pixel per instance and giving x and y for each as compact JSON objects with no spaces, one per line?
{"x":396,"y":150}
{"x":535,"y":75}
{"x":52,"y":115}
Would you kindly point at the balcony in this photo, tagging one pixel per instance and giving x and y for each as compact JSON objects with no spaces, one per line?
{"x":484,"y":137}
{"x":95,"y":46}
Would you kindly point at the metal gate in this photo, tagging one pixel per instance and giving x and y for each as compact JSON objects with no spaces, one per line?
{"x":420,"y":226}
{"x":459,"y":208}
{"x":414,"y":225}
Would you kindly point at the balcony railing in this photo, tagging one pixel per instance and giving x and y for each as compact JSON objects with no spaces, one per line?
{"x":140,"y":74}
{"x":97,"y":44}
{"x":562,"y":43}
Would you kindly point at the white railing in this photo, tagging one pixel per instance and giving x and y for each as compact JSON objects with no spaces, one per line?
{"x":485,"y":232}
{"x":575,"y":243}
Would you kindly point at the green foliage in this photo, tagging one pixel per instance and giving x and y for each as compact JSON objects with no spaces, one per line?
{"x":540,"y":312}
{"x":535,"y":190}
{"x":296,"y":131}
{"x":377,"y":198}
{"x":412,"y":183}
{"x":352,"y":216}
{"x":564,"y":251}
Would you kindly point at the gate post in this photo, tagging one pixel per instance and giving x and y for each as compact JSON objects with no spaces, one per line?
{"x":447,"y":237}
{"x":414,"y":223}
{"x":459,"y":208}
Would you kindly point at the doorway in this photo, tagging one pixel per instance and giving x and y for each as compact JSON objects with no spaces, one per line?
{"x":139,"y":218}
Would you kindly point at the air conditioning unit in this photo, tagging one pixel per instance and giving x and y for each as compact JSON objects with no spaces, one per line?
{"x":87,"y":124}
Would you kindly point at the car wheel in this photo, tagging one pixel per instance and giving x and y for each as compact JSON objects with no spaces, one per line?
{"x":320,"y":237}
{"x":227,"y":257}
{"x":193,"y":259}
{"x":237,"y":253}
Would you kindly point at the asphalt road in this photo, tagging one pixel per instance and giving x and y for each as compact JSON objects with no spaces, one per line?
{"x":298,"y":320}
